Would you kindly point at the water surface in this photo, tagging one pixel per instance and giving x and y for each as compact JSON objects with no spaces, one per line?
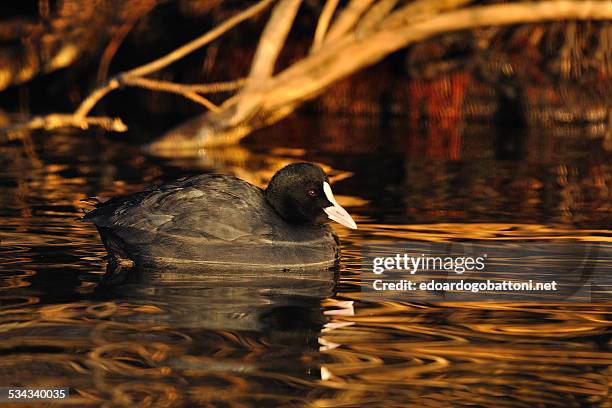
{"x":304,"y":339}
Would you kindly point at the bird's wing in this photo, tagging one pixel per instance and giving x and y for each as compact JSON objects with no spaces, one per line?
{"x":210,"y":208}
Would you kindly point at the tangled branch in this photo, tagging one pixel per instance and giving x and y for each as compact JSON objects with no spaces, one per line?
{"x":136,"y":77}
{"x":362,"y":35}
{"x":345,"y":41}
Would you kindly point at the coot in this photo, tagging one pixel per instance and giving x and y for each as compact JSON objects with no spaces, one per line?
{"x":219,"y":221}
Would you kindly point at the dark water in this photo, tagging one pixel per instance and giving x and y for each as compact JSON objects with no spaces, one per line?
{"x":302,"y":339}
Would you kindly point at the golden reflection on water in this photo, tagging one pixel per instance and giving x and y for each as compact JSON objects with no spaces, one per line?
{"x":282,"y":341}
{"x":489,"y":355}
{"x":499,"y":354}
{"x":444,"y":232}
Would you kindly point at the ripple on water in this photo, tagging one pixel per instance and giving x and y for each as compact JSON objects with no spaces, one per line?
{"x":274,"y":342}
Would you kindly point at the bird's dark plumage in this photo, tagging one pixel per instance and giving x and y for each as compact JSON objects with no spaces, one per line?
{"x":221,"y":221}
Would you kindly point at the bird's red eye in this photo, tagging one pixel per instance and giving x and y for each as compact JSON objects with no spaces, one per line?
{"x":312,"y":193}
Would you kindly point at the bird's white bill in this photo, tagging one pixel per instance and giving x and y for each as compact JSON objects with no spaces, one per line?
{"x":336,"y":212}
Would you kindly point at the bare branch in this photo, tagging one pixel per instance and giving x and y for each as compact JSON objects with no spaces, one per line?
{"x":347,"y":19}
{"x":323,"y":24}
{"x":93,"y":98}
{"x":273,"y":39}
{"x":170,"y":87}
{"x":217,"y":86}
{"x":306,"y":78}
{"x":214,"y":87}
{"x":270,"y":45}
{"x":117,"y":39}
{"x":56,"y":121}
{"x":420,"y":10}
{"x":88,"y":104}
{"x":200,"y":41}
{"x":362,"y":34}
{"x":374,"y":16}
{"x":310,"y":76}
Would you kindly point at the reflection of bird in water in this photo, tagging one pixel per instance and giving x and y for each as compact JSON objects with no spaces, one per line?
{"x":279,"y":309}
{"x":217,"y":299}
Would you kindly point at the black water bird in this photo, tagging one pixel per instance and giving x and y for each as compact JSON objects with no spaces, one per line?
{"x":220,"y":221}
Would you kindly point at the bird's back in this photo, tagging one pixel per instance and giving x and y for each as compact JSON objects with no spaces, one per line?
{"x":216,"y":220}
